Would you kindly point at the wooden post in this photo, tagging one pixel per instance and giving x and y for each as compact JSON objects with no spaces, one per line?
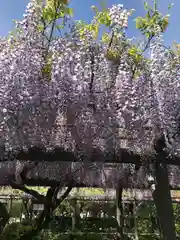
{"x":22,"y":203}
{"x":10,"y":207}
{"x":76,"y":212}
{"x":73,"y":214}
{"x":135,"y":221}
{"x":119,"y":212}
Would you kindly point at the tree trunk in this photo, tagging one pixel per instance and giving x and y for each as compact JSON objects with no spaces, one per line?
{"x":4,"y":217}
{"x":162,"y":199}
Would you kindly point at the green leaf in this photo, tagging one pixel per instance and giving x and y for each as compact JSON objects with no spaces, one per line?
{"x":148,"y":34}
{"x":40,"y":27}
{"x":140,"y":23}
{"x":146,"y":6}
{"x":170,"y":5}
{"x":155,"y":5}
{"x":105,"y":38}
{"x":69,"y":11}
{"x":137,"y":74}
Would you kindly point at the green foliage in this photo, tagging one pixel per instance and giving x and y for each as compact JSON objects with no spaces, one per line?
{"x":91,"y":191}
{"x":53,"y":12}
{"x":84,"y":28}
{"x":16,"y":208}
{"x":100,"y":18}
{"x":49,"y":235}
{"x":153,"y":18}
{"x":136,"y":54}
{"x":94,"y":228}
{"x":170,"y":5}
{"x":176,"y":209}
{"x":176,"y":48}
{"x":15,"y":230}
{"x":115,"y":39}
{"x":54,"y":16}
{"x":103,"y":17}
{"x":42,"y":190}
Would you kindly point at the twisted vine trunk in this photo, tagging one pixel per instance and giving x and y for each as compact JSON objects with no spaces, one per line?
{"x":46,"y":216}
{"x":4,"y":217}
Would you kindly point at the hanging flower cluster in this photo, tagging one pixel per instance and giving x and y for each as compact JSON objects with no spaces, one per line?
{"x":166,"y":91}
{"x":84,"y":105}
{"x":119,"y":16}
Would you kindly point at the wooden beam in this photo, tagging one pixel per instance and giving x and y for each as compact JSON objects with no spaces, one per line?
{"x":36,"y":154}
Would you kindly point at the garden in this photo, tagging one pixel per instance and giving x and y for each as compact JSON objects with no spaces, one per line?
{"x":89,"y":126}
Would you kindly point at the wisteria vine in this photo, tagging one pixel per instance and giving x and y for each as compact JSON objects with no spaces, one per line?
{"x":37,"y":111}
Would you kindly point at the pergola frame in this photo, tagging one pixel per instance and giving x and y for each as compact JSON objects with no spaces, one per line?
{"x":37,"y":154}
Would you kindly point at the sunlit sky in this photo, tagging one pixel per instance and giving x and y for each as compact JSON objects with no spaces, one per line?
{"x":14,"y":9}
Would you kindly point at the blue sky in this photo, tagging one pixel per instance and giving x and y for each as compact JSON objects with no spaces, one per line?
{"x":14,"y":9}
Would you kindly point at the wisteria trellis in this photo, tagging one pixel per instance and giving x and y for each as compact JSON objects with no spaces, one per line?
{"x":83,"y":106}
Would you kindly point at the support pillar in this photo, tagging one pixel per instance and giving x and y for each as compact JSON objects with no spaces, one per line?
{"x":119,"y":213}
{"x":163,"y":203}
